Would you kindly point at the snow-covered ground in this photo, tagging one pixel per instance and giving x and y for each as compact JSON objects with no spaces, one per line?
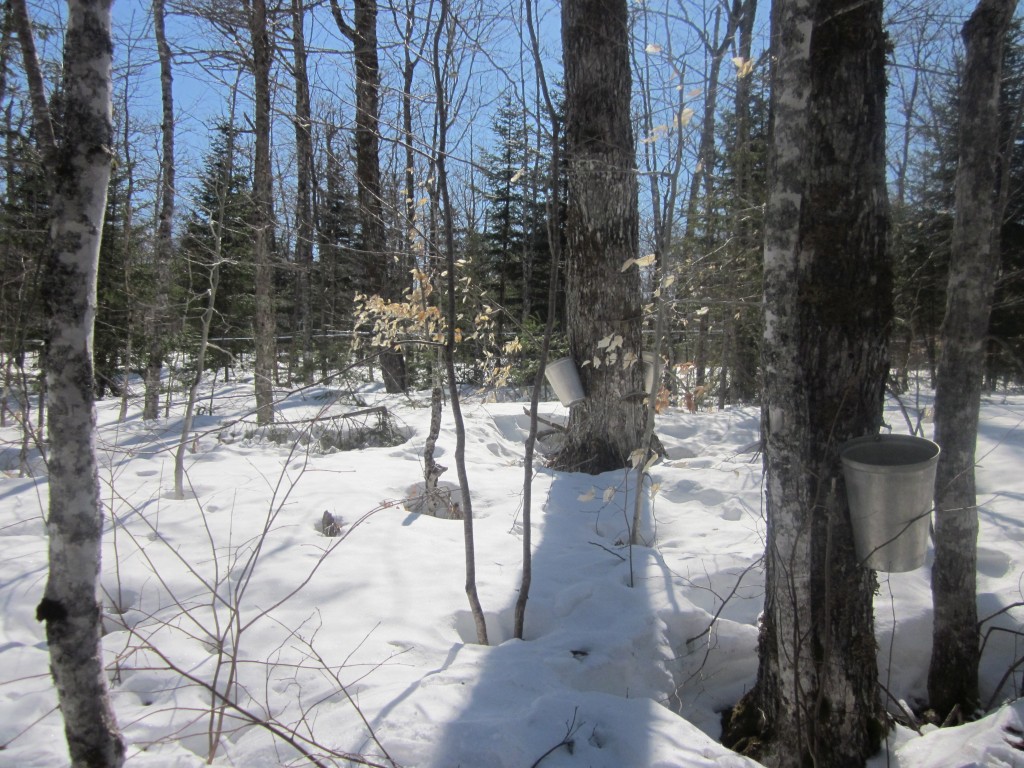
{"x":364,"y":643}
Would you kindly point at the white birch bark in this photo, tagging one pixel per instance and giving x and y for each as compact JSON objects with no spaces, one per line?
{"x":81,"y":173}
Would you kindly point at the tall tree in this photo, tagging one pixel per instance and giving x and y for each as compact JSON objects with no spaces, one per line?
{"x":304,"y":219}
{"x":516,"y":271}
{"x":363,"y":36}
{"x":264,"y":317}
{"x":163,"y":252}
{"x":827,"y":295}
{"x":442,"y":66}
{"x":218,"y":238}
{"x":974,"y":259}
{"x":336,"y":225}
{"x":79,"y":156}
{"x":603,"y":301}
{"x":700,"y":225}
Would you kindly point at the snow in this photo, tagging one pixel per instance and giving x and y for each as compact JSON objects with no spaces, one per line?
{"x":364,"y":644}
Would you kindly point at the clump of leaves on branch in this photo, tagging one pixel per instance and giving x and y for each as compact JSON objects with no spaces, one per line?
{"x":418,"y":320}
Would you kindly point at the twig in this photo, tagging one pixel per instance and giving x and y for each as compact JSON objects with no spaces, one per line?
{"x":567,"y":741}
{"x":610,"y":551}
{"x":728,"y":597}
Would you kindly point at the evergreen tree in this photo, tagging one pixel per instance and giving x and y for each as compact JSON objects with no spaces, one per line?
{"x":516,"y":260}
{"x":24,"y":221}
{"x":1006,"y":327}
{"x":741,"y":187}
{"x":120,"y":284}
{"x":224,"y":197}
{"x":337,"y":232}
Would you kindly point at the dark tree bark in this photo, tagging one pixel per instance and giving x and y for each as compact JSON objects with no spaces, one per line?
{"x":378,"y":275}
{"x":264,"y":320}
{"x":304,"y":225}
{"x":828,"y":307}
{"x":974,"y":260}
{"x":601,"y":235}
{"x":80,"y":166}
{"x":156,"y":316}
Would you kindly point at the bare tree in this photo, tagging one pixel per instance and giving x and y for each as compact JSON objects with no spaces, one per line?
{"x":974,"y":260}
{"x":700,"y":218}
{"x":303,"y":188}
{"x":555,"y":245}
{"x":602,"y":230}
{"x":164,"y":248}
{"x":264,"y":320}
{"x":79,"y":158}
{"x":828,"y":296}
{"x":442,"y":64}
{"x":363,"y":36}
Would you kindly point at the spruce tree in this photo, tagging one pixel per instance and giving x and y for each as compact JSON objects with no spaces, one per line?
{"x":222,"y":186}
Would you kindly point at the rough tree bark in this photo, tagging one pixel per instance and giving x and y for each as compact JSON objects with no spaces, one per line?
{"x":601,"y":235}
{"x":80,"y":163}
{"x":378,"y":275}
{"x":304,"y":224}
{"x":828,"y":308}
{"x":264,"y":319}
{"x":155,"y":320}
{"x":974,"y":259}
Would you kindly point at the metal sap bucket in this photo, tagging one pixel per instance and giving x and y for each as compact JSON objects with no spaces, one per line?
{"x":565,"y":380}
{"x":890,"y":484}
{"x":648,"y":358}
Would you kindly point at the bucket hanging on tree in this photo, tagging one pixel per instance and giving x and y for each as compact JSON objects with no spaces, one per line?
{"x":565,"y":380}
{"x":890,"y":484}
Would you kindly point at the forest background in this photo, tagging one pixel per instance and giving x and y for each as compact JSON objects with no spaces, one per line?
{"x":700,"y":104}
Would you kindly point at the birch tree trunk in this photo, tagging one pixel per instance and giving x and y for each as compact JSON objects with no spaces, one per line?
{"x":80,"y":172}
{"x":264,"y":319}
{"x":828,"y":296}
{"x":602,"y":301}
{"x":974,"y":259}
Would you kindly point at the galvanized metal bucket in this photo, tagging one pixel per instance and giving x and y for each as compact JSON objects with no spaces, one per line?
{"x":648,"y":358}
{"x":890,"y":484}
{"x":565,"y":380}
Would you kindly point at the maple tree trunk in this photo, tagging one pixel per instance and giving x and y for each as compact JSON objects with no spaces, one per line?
{"x":828,"y":308}
{"x":264,"y":320}
{"x":601,"y":235}
{"x":304,"y":229}
{"x":974,"y":259}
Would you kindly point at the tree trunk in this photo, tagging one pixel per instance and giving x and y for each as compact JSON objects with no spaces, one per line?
{"x":156,"y":330}
{"x":603,"y":302}
{"x":303,"y":344}
{"x":440,"y":69}
{"x":81,"y":172}
{"x":264,"y":321}
{"x":378,"y":276}
{"x":828,"y":307}
{"x":974,"y":259}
